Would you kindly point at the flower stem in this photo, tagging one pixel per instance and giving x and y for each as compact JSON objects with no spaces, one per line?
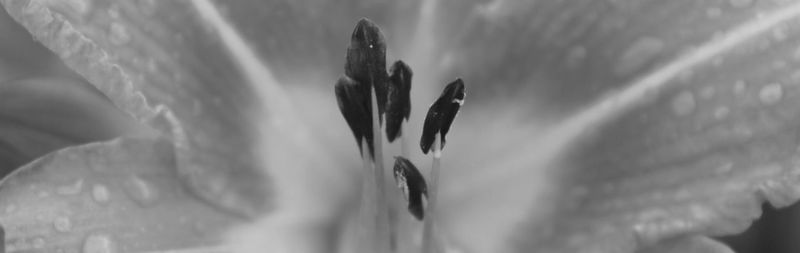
{"x":433,"y":185}
{"x":382,"y":219}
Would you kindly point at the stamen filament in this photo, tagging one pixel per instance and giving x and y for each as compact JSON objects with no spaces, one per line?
{"x":394,"y":219}
{"x":433,"y":187}
{"x":382,"y":219}
{"x":368,"y":204}
{"x":404,"y":149}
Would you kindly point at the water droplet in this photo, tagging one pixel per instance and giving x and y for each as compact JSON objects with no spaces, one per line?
{"x":11,"y":208}
{"x":141,"y":191}
{"x":62,"y":224}
{"x":771,"y":93}
{"x":713,"y":12}
{"x":119,"y":34}
{"x":43,"y":194}
{"x":70,"y":189}
{"x":38,"y":243}
{"x":575,"y":57}
{"x":99,"y":243}
{"x":739,"y":86}
{"x":683,"y":103}
{"x":100,"y":194}
{"x":741,"y":3}
{"x":641,"y":52}
{"x":722,"y":112}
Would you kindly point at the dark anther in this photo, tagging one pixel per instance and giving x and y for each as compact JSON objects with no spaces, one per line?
{"x":413,"y":185}
{"x":355,"y":106}
{"x":398,"y":105}
{"x":366,"y":60}
{"x":441,"y":114}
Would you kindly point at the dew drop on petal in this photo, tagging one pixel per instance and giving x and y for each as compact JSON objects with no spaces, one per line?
{"x":119,"y":34}
{"x":141,"y":191}
{"x":100,"y":194}
{"x":741,"y":3}
{"x":641,"y":52}
{"x":99,"y":243}
{"x":771,"y":93}
{"x":683,"y":104}
{"x":62,"y":224}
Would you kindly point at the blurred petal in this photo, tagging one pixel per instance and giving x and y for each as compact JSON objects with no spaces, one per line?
{"x":121,"y":195}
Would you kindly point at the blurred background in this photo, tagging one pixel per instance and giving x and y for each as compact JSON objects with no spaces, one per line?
{"x":44,"y":106}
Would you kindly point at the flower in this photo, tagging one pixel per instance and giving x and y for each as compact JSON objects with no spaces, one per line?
{"x":605,"y":126}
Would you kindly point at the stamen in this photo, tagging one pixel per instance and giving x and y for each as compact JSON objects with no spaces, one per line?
{"x":442,"y":113}
{"x":437,"y":123}
{"x":355,"y":107}
{"x":366,"y":60}
{"x":365,"y":94}
{"x":413,"y":185}
{"x":398,"y":107}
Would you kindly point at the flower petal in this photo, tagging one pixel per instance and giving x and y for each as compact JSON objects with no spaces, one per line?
{"x":160,"y":62}
{"x":42,"y":114}
{"x":671,"y":118}
{"x":124,"y":194}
